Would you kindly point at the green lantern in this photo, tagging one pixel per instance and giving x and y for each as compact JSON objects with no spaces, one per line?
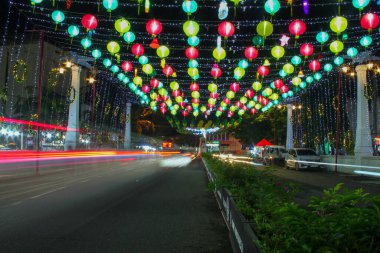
{"x":58,"y":16}
{"x":129,"y":37}
{"x":115,"y":69}
{"x":258,"y":106}
{"x":352,"y":52}
{"x":153,"y":96}
{"x":189,"y":6}
{"x":176,"y":107}
{"x":296,"y":60}
{"x":147,"y":69}
{"x":122,"y":26}
{"x":288,"y":68}
{"x":239,"y":73}
{"x":272,"y":6}
{"x":309,"y":79}
{"x":241,"y":112}
{"x":322,"y":37}
{"x":191,"y":28}
{"x":264,"y":29}
{"x":218,"y":113}
{"x":162,"y":91}
{"x":291,"y":93}
{"x":336,"y":46}
{"x":219,"y":53}
{"x":327,"y":67}
{"x":34,"y":2}
{"x":211,"y":101}
{"x":267,"y":92}
{"x":113,"y":47}
{"x":192,"y":72}
{"x":173,"y":112}
{"x":317,"y":76}
{"x":96,"y":53}
{"x":203,"y":108}
{"x":365,"y":41}
{"x":282,"y":73}
{"x":195,"y":94}
{"x":73,"y":31}
{"x":110,"y":5}
{"x":193,"y":64}
{"x":121,"y":76}
{"x":143,"y":60}
{"x":338,"y":61}
{"x":132,"y":86}
{"x":193,"y":41}
{"x":162,"y":51}
{"x":107,"y":63}
{"x":277,"y":52}
{"x":303,"y":85}
{"x":230,"y":94}
{"x":178,"y":99}
{"x":212,"y":87}
{"x":126,"y":80}
{"x":338,"y":24}
{"x":296,"y":81}
{"x":274,"y":97}
{"x":137,"y":80}
{"x":257,"y":40}
{"x":86,"y":43}
{"x":243,"y":100}
{"x":195,"y":113}
{"x":233,"y":108}
{"x":243,"y":64}
{"x":257,"y":86}
{"x":174,"y":85}
{"x":360,"y":4}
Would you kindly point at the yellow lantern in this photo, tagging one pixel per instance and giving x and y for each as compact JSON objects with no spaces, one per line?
{"x":277,"y":52}
{"x":264,"y":29}
{"x":219,"y":53}
{"x":338,"y":24}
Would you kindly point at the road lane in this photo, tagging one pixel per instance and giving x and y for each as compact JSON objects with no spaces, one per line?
{"x":133,"y":206}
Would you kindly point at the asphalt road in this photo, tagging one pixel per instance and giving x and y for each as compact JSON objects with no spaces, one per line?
{"x":113,"y":206}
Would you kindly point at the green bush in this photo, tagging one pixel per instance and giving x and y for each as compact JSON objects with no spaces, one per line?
{"x":340,"y":221}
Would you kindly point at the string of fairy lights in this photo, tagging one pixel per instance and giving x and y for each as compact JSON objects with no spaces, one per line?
{"x":267,"y":74}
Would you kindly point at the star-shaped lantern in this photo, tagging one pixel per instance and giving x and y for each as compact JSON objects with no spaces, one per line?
{"x":284,"y":40}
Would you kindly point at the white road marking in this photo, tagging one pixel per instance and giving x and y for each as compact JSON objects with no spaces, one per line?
{"x":43,"y":194}
{"x":16,"y":203}
{"x":84,"y":181}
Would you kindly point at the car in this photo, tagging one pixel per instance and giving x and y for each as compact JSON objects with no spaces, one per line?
{"x":302,"y":158}
{"x":274,"y":155}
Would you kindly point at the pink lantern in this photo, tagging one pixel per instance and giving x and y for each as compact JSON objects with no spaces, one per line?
{"x":284,"y":89}
{"x":253,"y":110}
{"x":265,"y":101}
{"x":211,"y":106}
{"x":297,"y":28}
{"x":182,"y":103}
{"x":214,"y":95}
{"x":154,"y":83}
{"x":306,"y":50}
{"x":176,"y":93}
{"x":278,"y":83}
{"x":230,"y":114}
{"x":189,"y":108}
{"x":227,"y":101}
{"x":137,"y":50}
{"x":314,"y":65}
{"x":249,"y":93}
{"x":168,"y":71}
{"x":154,"y":27}
{"x":226,"y":29}
{"x":185,"y":113}
{"x":216,"y":71}
{"x":238,"y":104}
{"x":191,"y":53}
{"x":235,"y":87}
{"x":260,"y":99}
{"x":163,"y":110}
{"x":220,"y":109}
{"x":145,"y":88}
{"x":263,"y":71}
{"x":165,"y":98}
{"x":195,"y":100}
{"x":369,"y":21}
{"x":251,"y":53}
{"x":162,"y":105}
{"x":126,"y":66}
{"x":194,"y":87}
{"x":89,"y":22}
{"x":244,"y":107}
{"x":158,"y":98}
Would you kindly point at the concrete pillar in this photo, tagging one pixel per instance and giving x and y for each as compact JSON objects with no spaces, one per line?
{"x":72,"y":132}
{"x":363,"y":146}
{"x":127,"y":134}
{"x":289,"y":127}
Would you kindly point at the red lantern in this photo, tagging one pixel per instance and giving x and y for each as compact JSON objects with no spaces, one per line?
{"x":235,"y":87}
{"x":165,"y":98}
{"x":176,"y":93}
{"x":158,"y":98}
{"x":284,"y":89}
{"x":220,"y":109}
{"x":194,"y":87}
{"x":244,"y":107}
{"x":251,"y":53}
{"x":306,"y":50}
{"x":162,"y":105}
{"x":145,"y":89}
{"x":227,"y":101}
{"x":195,"y":100}
{"x":265,"y":101}
{"x":253,"y":110}
{"x":238,"y":104}
{"x":314,"y":65}
{"x":126,"y":66}
{"x":369,"y":21}
{"x":185,"y":113}
{"x":189,"y":108}
{"x":263,"y":71}
{"x":137,"y":50}
{"x":167,"y":70}
{"x":230,"y":114}
{"x":211,"y":106}
{"x":154,"y":44}
{"x":163,"y":110}
{"x":216,"y":71}
{"x":226,"y":29}
{"x":214,"y":95}
{"x":154,"y":83}
{"x":182,"y":103}
{"x":249,"y":93}
{"x":260,"y":99}
{"x":191,"y":53}
{"x":297,"y":28}
{"x":89,"y":22}
{"x":278,"y":83}
{"x":154,"y":27}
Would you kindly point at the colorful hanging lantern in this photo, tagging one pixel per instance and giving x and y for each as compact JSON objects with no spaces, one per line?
{"x":147,"y":69}
{"x":214,"y":95}
{"x":163,"y":52}
{"x":327,"y":67}
{"x":193,"y":64}
{"x":189,"y":6}
{"x":272,"y":6}
{"x":89,"y":22}
{"x":264,"y":29}
{"x":243,"y":64}
{"x":239,"y":73}
{"x":249,"y":93}
{"x":277,"y":52}
{"x":297,"y":28}
{"x":360,"y":4}
{"x":338,"y":24}
{"x":251,"y":53}
{"x":336,"y":46}
{"x":145,"y":88}
{"x":86,"y":43}
{"x":230,"y":94}
{"x":114,"y":69}
{"x":96,"y":53}
{"x":193,"y":41}
{"x":352,"y":52}
{"x":113,"y":47}
{"x":309,"y":79}
{"x":322,"y":37}
{"x":176,"y":93}
{"x":226,"y":29}
{"x":193,"y":72}
{"x":194,"y":87}
{"x":284,"y":89}
{"x":314,"y":65}
{"x":223,"y":10}
{"x":122,"y":26}
{"x":168,"y":71}
{"x":296,"y":60}
{"x":257,"y":40}
{"x":137,"y":50}
{"x":278,"y":83}
{"x":234,"y":87}
{"x":369,"y":21}
{"x":153,"y":27}
{"x":154,"y":83}
{"x":107,"y":63}
{"x":288,"y":68}
{"x":365,"y":41}
{"x":263,"y":71}
{"x":58,"y":17}
{"x":219,"y":53}
{"x":317,"y":76}
{"x":216,"y":72}
{"x":191,"y":28}
{"x":126,"y":66}
{"x":34,"y":2}
{"x":174,"y":85}
{"x":338,"y":61}
{"x":306,"y":50}
{"x":191,"y":53}
{"x":110,"y":5}
{"x":129,"y":37}
{"x":73,"y":31}
{"x":154,"y":44}
{"x":212,"y":87}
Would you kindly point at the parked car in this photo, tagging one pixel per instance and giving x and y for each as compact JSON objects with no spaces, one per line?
{"x":302,"y":158}
{"x":274,"y":155}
